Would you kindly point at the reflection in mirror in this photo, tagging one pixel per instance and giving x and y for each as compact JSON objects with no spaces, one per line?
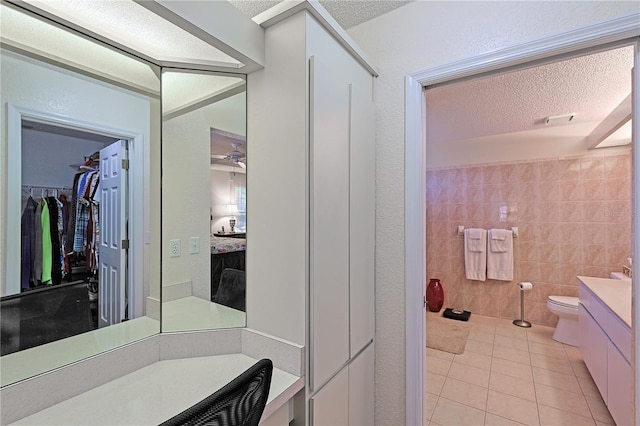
{"x":204,"y":200}
{"x":80,"y":196}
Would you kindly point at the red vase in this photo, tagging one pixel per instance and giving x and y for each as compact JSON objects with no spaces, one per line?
{"x":435,"y":295}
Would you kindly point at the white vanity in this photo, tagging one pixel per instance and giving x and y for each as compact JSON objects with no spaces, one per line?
{"x":605,"y":341}
{"x":153,"y":379}
{"x":155,"y":393}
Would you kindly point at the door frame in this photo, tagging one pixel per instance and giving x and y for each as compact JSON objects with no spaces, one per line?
{"x":599,"y":36}
{"x":137,"y":221}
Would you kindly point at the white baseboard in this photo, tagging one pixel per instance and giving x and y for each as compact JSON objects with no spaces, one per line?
{"x":176,"y":291}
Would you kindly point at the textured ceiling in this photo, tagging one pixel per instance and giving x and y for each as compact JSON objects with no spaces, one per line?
{"x":589,"y":86}
{"x":348,"y":13}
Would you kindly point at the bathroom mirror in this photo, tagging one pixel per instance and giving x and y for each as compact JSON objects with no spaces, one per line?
{"x":73,"y":105}
{"x":83,"y":277}
{"x":204,"y":226}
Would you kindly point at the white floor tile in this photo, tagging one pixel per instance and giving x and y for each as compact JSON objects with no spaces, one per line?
{"x":511,"y":376}
{"x":479,"y":347}
{"x":434,"y":382}
{"x":491,"y":419}
{"x":556,"y":380}
{"x":513,"y":408}
{"x":550,"y":416}
{"x":512,"y":386}
{"x":451,"y":413}
{"x":511,"y":354}
{"x":465,"y":393}
{"x":560,"y":399}
{"x":438,"y":365}
{"x":469,"y":374}
{"x":510,"y":342}
{"x":599,"y":410}
{"x":474,"y":360}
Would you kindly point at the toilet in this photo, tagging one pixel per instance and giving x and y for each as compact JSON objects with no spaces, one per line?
{"x":566,"y":307}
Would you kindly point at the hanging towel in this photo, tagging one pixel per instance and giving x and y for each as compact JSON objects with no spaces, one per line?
{"x":498,"y":240}
{"x":500,"y":255}
{"x":475,"y":254}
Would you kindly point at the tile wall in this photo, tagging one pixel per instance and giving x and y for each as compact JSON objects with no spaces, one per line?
{"x":573,"y":215}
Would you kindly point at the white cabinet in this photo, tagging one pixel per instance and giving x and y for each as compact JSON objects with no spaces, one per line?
{"x":361,"y":389}
{"x":348,"y":398}
{"x":594,"y":350}
{"x":342,"y":216}
{"x":583,"y":333}
{"x":329,"y":150}
{"x":330,"y":406}
{"x":312,"y":131}
{"x":605,"y":344}
{"x":620,"y":386}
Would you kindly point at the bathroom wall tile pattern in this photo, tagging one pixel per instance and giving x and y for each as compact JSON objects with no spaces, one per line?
{"x":574,"y":217}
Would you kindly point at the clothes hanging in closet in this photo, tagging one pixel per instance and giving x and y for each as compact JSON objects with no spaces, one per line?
{"x":86,"y":221}
{"x":42,"y":257}
{"x":28,"y":254}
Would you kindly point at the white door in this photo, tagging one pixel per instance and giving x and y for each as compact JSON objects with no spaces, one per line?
{"x":112,"y":293}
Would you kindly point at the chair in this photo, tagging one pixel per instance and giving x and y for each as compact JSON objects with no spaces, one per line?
{"x":239,"y":403}
{"x":232,"y":289}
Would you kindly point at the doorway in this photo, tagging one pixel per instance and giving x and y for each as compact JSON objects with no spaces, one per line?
{"x":570,"y":43}
{"x":49,"y":157}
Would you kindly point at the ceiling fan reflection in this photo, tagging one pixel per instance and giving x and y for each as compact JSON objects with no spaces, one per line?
{"x":236,"y":157}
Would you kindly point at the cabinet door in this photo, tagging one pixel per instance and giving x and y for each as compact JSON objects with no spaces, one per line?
{"x":583,"y":333}
{"x":329,"y":205}
{"x":330,"y":406}
{"x":598,"y":342}
{"x":619,"y":386}
{"x":362,"y":213}
{"x":361,"y":389}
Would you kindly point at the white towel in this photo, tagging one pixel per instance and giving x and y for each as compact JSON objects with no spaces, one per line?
{"x":475,"y":254}
{"x":498,"y":240}
{"x":500,"y":255}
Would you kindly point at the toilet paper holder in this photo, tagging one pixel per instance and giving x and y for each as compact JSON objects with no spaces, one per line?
{"x":524,"y":286}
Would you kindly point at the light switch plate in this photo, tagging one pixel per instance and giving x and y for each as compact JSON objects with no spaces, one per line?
{"x":194,"y":245}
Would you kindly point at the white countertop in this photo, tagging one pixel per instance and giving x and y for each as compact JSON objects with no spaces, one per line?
{"x":29,"y":362}
{"x":159,"y":391}
{"x":616,"y":294}
{"x":193,"y":313}
{"x":188,"y":313}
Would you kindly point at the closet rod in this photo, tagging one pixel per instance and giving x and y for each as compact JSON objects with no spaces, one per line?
{"x":59,"y":188}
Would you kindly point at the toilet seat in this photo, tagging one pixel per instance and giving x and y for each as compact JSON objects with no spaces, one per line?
{"x":564,"y":301}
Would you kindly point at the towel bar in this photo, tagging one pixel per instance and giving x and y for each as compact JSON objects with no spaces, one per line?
{"x":514,"y":230}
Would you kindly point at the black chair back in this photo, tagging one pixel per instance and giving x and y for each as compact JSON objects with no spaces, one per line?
{"x":232,"y":289}
{"x":239,"y":403}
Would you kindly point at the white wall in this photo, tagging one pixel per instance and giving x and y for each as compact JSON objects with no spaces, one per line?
{"x":30,"y":84}
{"x":417,"y":36}
{"x":276,"y":260}
{"x":186,"y":187}
{"x":46,"y":157}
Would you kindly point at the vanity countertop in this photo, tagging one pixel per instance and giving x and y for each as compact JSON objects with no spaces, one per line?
{"x":187,"y":313}
{"x":40,"y":359}
{"x":194,"y":313}
{"x":616,"y":294}
{"x":159,"y":391}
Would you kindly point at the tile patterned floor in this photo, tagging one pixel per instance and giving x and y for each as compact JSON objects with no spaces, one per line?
{"x":511,"y":376}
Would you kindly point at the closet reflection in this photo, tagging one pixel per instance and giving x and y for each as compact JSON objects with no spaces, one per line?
{"x":78,"y":112}
{"x":82,"y":145}
{"x":204,"y":200}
